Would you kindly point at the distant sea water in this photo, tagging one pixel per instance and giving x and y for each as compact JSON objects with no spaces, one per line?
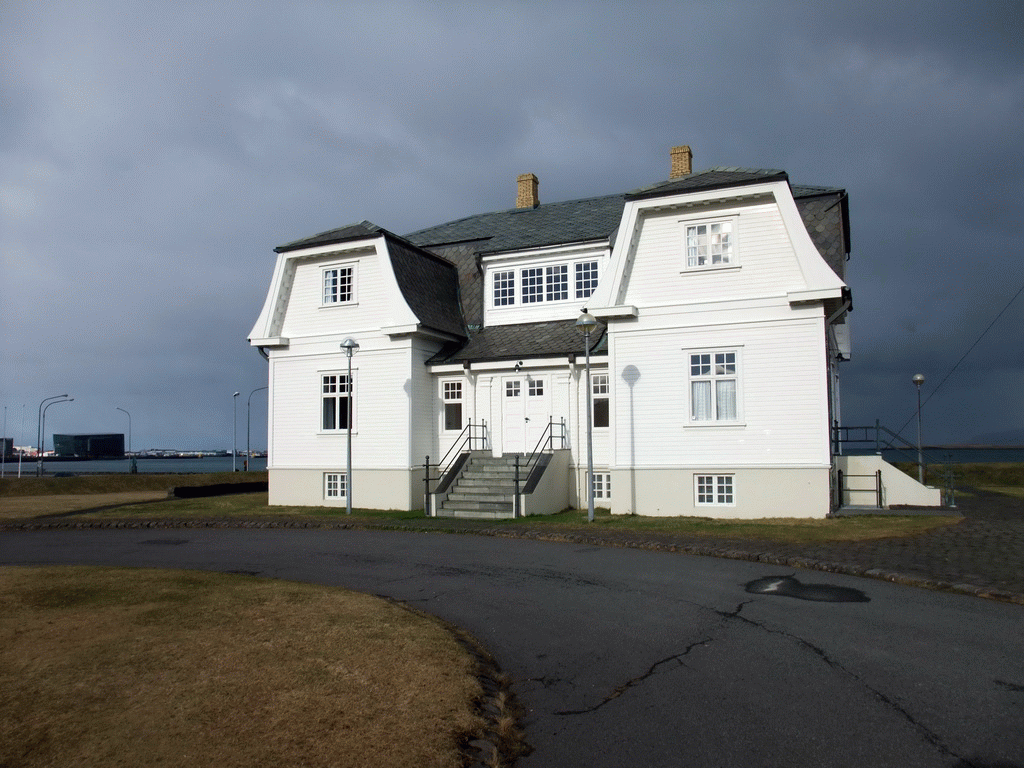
{"x":149,"y":466}
{"x":957,"y":454}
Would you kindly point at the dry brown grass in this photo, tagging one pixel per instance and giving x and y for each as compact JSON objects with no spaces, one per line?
{"x":119,"y":667}
{"x":15,"y":507}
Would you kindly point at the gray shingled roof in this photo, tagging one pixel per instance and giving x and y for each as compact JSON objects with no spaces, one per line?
{"x":712,"y":178}
{"x":521,"y":342}
{"x":573,"y":221}
{"x":340,"y":235}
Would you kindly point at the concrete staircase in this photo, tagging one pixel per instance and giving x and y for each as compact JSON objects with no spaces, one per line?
{"x":485,"y":489}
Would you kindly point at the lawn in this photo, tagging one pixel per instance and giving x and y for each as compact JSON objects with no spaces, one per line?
{"x":103,"y":667}
{"x":254,"y":505}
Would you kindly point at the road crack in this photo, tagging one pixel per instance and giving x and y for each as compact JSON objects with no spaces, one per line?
{"x":926,"y":733}
{"x":677,"y":658}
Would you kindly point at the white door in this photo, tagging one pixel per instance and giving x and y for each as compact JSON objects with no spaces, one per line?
{"x":524,"y":412}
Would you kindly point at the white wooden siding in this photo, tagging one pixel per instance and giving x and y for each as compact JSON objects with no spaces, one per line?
{"x":782,"y":396}
{"x":308,"y":316}
{"x":766,"y":264}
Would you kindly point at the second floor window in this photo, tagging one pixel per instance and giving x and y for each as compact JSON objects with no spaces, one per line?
{"x":710,"y":244}
{"x":338,"y":285}
{"x":556,"y":282}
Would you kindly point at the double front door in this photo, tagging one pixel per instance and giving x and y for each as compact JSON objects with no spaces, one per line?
{"x":525,"y":411}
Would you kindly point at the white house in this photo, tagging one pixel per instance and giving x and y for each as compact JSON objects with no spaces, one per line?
{"x":723,"y":311}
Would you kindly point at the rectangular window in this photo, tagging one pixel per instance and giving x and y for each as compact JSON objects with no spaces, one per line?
{"x":599,"y":398}
{"x":336,"y":391}
{"x":511,"y":389}
{"x":504,"y":289}
{"x":557,"y":282}
{"x":714,"y":490}
{"x":532,"y":285}
{"x":453,"y":405}
{"x":335,"y":485}
{"x":602,"y":485}
{"x":710,"y":245}
{"x":338,"y":284}
{"x":713,"y":386}
{"x":586,"y":278}
{"x":536,"y":388}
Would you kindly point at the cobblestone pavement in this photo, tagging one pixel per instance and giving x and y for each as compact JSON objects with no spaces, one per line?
{"x":981,"y":555}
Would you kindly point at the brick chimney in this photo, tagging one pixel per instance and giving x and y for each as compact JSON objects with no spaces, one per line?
{"x":682,"y":162}
{"x":527,"y":193}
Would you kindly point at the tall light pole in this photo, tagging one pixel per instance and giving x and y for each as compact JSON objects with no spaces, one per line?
{"x":248,"y":405}
{"x":39,"y":434}
{"x":122,"y":410}
{"x":42,"y":429}
{"x":350,"y":346}
{"x":587,"y":324}
{"x":919,"y":380}
{"x":235,"y":428}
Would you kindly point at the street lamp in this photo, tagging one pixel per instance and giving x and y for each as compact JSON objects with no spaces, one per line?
{"x":919,"y":380}
{"x":122,"y":410}
{"x":42,"y":427}
{"x":586,"y":324}
{"x":248,"y":405}
{"x":350,"y":346}
{"x":234,"y":430}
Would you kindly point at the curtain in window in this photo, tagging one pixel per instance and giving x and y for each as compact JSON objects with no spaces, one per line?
{"x":700,"y":399}
{"x":725,"y":392}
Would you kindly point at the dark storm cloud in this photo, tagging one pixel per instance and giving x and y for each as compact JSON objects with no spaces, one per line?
{"x":152,"y":155}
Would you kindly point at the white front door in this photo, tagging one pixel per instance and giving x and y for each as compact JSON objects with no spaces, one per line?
{"x":524,"y":413}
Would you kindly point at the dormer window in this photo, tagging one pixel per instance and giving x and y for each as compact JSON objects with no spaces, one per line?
{"x":544,"y":284}
{"x":710,"y":244}
{"x":339,"y":285}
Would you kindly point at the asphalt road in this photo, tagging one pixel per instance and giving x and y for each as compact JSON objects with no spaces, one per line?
{"x":633,"y":658}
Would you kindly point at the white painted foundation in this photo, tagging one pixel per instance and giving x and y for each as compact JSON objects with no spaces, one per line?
{"x":371,"y":488}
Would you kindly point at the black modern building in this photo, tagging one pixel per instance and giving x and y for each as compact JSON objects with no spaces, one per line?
{"x":89,"y":446}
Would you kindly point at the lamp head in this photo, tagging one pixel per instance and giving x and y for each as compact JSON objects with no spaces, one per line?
{"x":350,"y":345}
{"x":586,"y":323}
{"x":918,"y":379}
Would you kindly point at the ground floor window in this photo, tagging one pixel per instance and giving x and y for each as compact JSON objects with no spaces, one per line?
{"x":335,"y":485}
{"x":452,"y":406}
{"x":714,"y":489}
{"x":602,"y":485}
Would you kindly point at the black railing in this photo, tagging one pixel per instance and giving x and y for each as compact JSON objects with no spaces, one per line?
{"x":532,"y":468}
{"x":472,"y":438}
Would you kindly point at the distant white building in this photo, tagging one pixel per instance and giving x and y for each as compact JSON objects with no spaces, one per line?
{"x":724,"y":312}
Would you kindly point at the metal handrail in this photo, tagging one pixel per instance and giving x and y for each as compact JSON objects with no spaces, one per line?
{"x":546,"y":442}
{"x":468,"y":435}
{"x":895,"y":442}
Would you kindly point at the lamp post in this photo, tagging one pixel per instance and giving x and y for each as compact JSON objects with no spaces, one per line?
{"x":587,"y":324}
{"x":42,"y":428}
{"x":122,"y":410}
{"x":234,"y":430}
{"x":350,"y":346}
{"x":39,"y":434}
{"x":919,"y":380}
{"x":248,"y":406}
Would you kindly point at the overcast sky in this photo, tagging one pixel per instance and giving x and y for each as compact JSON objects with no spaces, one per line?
{"x":152,"y":155}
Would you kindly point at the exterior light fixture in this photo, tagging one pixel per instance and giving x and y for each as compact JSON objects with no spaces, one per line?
{"x":351,"y":346}
{"x":586,"y":324}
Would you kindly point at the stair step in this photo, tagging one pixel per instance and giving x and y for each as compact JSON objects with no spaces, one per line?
{"x":479,"y":495}
{"x":476,"y":514}
{"x":493,"y":506}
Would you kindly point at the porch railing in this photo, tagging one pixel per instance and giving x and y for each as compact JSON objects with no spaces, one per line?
{"x":532,"y":468}
{"x":472,"y":438}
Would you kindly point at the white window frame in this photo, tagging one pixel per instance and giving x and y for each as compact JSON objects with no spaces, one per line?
{"x":714,"y":490}
{"x":733,"y":262}
{"x":353,"y":392}
{"x":602,"y":484}
{"x":449,"y":387}
{"x":551,"y":282}
{"x":600,"y":389}
{"x":353,"y":275}
{"x":335,"y":485}
{"x":713,"y":377}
